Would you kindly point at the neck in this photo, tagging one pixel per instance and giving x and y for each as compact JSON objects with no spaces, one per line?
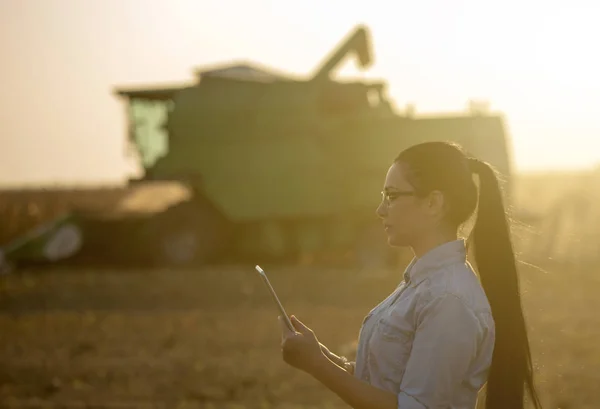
{"x":431,"y":241}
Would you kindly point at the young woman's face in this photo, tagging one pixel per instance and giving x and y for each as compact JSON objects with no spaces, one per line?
{"x":404,"y":215}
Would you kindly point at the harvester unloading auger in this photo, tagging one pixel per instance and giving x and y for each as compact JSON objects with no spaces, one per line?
{"x":356,"y":43}
{"x":273,"y":167}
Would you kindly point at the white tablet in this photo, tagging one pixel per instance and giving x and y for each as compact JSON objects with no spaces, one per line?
{"x":263,"y":275}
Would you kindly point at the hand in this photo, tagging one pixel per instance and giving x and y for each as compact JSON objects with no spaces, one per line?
{"x":300,"y":349}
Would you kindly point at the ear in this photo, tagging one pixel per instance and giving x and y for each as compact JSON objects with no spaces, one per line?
{"x":436,"y":204}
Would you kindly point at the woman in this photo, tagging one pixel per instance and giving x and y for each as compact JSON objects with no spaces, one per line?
{"x":443,"y":333}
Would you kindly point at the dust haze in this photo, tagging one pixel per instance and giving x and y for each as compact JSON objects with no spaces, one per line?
{"x":143,"y":294}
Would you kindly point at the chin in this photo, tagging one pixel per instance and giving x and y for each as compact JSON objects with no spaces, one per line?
{"x":396,"y":241}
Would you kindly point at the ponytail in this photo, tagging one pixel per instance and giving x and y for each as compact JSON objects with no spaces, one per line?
{"x":511,"y":371}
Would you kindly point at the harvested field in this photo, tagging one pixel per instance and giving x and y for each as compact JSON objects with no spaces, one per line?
{"x":210,"y":339}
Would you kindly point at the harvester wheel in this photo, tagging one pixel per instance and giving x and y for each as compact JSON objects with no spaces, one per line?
{"x":190,"y":233}
{"x":5,"y":266}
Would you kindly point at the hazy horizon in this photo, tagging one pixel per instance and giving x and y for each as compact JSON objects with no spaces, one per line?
{"x":62,"y":124}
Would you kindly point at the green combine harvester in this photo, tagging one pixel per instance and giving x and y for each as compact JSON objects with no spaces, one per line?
{"x":271,"y":167}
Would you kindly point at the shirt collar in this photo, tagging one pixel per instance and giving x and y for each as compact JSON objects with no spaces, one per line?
{"x":448,"y":253}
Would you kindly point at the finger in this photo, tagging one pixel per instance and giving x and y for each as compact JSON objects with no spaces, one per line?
{"x":299,"y":325}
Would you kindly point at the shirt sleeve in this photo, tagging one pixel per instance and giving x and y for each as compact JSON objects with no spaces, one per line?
{"x":444,"y":346}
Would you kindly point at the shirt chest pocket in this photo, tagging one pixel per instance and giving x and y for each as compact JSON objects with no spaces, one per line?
{"x":390,"y":348}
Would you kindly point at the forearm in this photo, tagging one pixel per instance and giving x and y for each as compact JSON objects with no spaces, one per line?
{"x":353,"y":391}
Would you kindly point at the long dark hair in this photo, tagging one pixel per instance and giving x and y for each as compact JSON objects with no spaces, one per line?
{"x":445,"y":167}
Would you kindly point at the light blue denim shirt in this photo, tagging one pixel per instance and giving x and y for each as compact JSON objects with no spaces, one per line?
{"x":431,"y":340}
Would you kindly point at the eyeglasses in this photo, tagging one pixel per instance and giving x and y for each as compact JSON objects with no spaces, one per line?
{"x":390,"y":196}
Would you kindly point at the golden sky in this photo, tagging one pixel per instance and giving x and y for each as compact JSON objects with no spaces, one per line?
{"x":533,"y":60}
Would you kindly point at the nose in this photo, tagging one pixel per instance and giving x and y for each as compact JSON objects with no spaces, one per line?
{"x":381,"y":210}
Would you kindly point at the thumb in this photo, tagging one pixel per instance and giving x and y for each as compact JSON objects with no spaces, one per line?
{"x":300,"y":327}
{"x":282,"y":324}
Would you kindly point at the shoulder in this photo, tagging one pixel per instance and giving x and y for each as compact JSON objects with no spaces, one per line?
{"x":454,"y":292}
{"x":455,"y":281}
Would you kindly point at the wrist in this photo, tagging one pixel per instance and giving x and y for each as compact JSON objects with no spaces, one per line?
{"x":318,"y":364}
